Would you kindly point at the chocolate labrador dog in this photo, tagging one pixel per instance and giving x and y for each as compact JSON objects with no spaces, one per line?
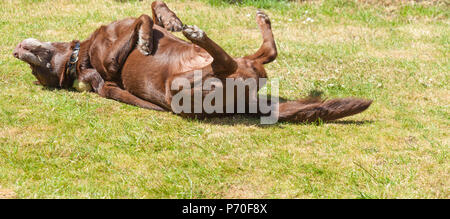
{"x":139,"y":62}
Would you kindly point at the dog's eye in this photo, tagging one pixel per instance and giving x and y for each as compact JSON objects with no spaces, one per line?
{"x":27,"y":48}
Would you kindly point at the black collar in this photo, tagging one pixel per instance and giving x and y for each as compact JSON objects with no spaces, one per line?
{"x":72,"y":64}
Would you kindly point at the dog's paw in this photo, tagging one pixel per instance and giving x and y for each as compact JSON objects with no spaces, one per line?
{"x":173,"y":24}
{"x":262,"y":18}
{"x":193,"y":33}
{"x":144,"y":44}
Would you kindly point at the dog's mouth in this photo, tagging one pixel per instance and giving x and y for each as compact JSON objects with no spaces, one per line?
{"x":26,"y":56}
{"x":29,"y":58}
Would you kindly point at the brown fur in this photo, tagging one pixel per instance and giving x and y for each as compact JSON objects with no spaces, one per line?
{"x":135,"y":61}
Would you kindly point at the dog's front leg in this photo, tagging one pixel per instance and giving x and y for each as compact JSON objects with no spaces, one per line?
{"x":140,"y":33}
{"x":89,"y":80}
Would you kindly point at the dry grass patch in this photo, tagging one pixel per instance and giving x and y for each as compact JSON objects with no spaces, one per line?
{"x":7,"y":194}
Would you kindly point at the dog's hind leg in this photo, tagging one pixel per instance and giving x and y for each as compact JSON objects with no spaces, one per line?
{"x":166,"y":18}
{"x":268,"y":50}
{"x":223,"y":64}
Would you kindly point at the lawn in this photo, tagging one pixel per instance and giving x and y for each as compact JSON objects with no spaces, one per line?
{"x":65,"y":144}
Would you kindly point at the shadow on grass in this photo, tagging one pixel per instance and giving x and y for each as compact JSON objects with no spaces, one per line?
{"x":351,"y":122}
{"x":250,"y":120}
{"x":57,"y":89}
{"x":233,"y":120}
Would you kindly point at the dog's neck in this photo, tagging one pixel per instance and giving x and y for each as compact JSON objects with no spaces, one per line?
{"x":71,"y":69}
{"x":69,"y":65}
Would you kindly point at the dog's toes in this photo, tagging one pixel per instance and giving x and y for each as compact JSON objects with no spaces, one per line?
{"x":262,"y":17}
{"x":188,"y":29}
{"x":193,"y":32}
{"x":174,"y":25}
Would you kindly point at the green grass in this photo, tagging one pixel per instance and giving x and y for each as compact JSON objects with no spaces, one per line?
{"x":64,"y":144}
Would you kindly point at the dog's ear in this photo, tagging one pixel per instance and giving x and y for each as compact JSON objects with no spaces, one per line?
{"x":65,"y":79}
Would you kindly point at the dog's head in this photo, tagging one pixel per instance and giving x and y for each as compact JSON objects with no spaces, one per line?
{"x":47,"y":61}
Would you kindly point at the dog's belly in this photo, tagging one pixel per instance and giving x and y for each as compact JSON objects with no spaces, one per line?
{"x":145,"y":76}
{"x":191,"y":63}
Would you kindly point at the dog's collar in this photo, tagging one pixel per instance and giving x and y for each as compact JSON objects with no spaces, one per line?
{"x":72,"y":64}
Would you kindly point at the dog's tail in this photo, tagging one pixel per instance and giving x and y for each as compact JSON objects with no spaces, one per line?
{"x":313,"y":109}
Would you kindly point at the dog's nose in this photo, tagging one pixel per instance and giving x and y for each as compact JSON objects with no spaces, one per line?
{"x":16,"y":51}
